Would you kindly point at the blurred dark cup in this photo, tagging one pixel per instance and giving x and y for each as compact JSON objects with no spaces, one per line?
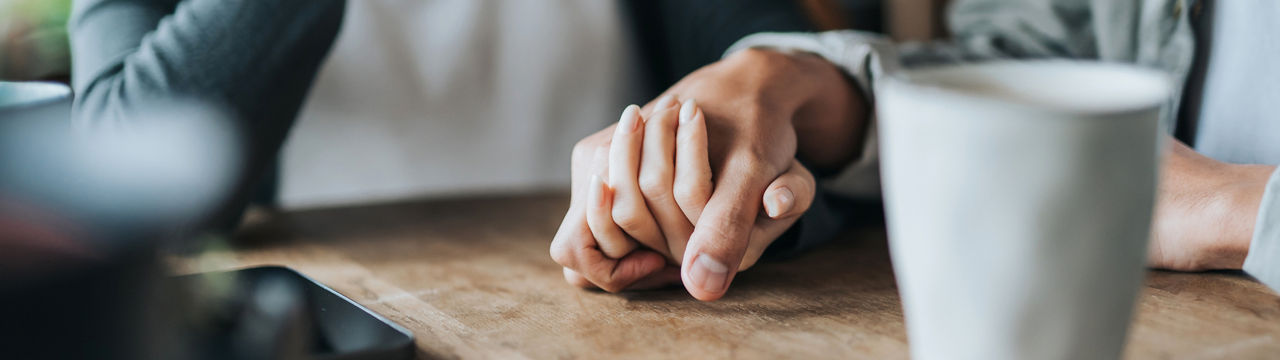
{"x":32,"y":239}
{"x":61,"y":297}
{"x":86,"y":200}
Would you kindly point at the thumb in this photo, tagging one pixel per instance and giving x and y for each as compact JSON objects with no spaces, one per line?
{"x":790,"y":194}
{"x":788,"y":197}
{"x":720,"y":238}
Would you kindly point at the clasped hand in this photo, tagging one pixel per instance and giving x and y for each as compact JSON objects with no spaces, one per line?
{"x":693,"y":192}
{"x":639,"y":188}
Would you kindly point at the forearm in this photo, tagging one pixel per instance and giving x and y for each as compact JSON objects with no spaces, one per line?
{"x":1237,"y":218}
{"x":254,"y":59}
{"x":1207,"y":211}
{"x":832,"y":124}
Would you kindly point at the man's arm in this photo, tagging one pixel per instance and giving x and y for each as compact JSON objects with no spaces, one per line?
{"x":982,"y":30}
{"x":851,"y":168}
{"x":1215,"y":215}
{"x":1239,"y":228}
{"x":257,"y":59}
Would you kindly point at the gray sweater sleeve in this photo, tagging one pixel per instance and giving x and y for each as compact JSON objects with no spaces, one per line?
{"x":254,"y":58}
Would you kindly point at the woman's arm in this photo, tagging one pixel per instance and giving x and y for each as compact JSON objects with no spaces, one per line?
{"x":256,"y":59}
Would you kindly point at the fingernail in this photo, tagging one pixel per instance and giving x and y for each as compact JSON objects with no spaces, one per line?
{"x":779,"y":202}
{"x":686,"y":110}
{"x":709,"y":274}
{"x":630,"y":119}
{"x":663,"y":102}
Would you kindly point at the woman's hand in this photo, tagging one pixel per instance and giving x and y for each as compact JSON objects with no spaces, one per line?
{"x":762,"y":111}
{"x":660,"y":179}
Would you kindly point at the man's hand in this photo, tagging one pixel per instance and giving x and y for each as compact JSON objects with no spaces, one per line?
{"x":660,"y":175}
{"x":763,"y":109}
{"x":668,"y":163}
{"x":615,"y":262}
{"x":1205,"y":211}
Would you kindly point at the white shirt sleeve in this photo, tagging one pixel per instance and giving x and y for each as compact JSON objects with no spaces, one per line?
{"x":1263,"y":261}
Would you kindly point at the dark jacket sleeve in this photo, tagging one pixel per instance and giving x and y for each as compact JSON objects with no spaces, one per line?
{"x":676,"y":37}
{"x":256,"y":59}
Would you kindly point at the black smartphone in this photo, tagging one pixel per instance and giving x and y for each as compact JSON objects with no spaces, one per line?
{"x":274,"y":312}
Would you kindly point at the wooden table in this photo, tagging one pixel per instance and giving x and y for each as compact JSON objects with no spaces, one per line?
{"x":472,"y":279}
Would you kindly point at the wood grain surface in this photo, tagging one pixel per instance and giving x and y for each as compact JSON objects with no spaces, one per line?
{"x":472,"y":279}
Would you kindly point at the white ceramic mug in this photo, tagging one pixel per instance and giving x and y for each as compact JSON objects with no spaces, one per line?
{"x":1019,"y":197}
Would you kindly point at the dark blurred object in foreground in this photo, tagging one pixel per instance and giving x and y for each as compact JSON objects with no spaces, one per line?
{"x":64,"y":291}
{"x":84,"y":212}
{"x":81,"y":214}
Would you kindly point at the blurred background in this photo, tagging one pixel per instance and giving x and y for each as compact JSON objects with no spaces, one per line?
{"x":416,"y":99}
{"x":422,"y":71}
{"x":33,"y":40}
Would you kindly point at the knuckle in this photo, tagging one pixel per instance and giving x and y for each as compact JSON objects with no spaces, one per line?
{"x":752,"y":162}
{"x":768,"y":59}
{"x":581,"y":283}
{"x":605,"y":279}
{"x":666,"y":119}
{"x":561,"y":253}
{"x":654,"y":186}
{"x":587,"y":147}
{"x":752,"y":55}
{"x":692,"y":193}
{"x":577,"y":280}
{"x":584,"y":144}
{"x":582,"y":151}
{"x":628,"y":218}
{"x":755,"y":106}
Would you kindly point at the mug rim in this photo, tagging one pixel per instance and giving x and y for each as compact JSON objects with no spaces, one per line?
{"x":926,"y":80}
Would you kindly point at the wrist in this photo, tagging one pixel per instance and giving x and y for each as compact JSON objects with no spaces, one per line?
{"x":1243,"y":199}
{"x":1232,"y":209}
{"x":831,"y":124}
{"x":824,"y":107}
